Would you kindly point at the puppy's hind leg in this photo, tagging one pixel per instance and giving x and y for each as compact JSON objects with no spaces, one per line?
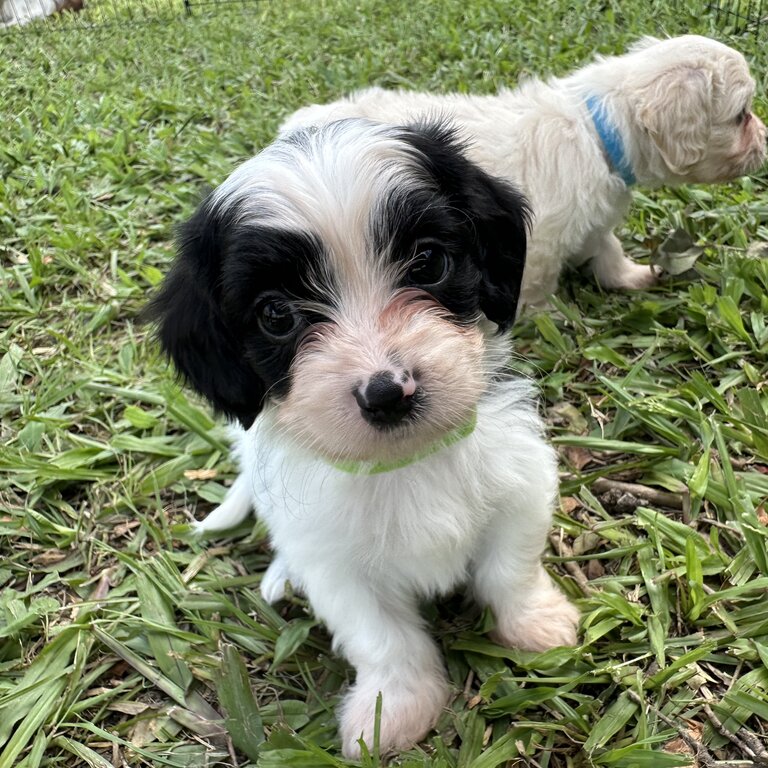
{"x":530,"y":611}
{"x":612,"y":268}
{"x":543,"y":265}
{"x":237,"y":505}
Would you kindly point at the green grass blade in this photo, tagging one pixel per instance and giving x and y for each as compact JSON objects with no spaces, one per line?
{"x":242,"y":716}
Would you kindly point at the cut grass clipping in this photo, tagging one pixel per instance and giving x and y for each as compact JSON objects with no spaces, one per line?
{"x":122,"y":642}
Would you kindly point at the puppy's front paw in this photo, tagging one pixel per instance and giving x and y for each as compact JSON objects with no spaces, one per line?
{"x":628,"y":275}
{"x":272,"y":586}
{"x":640,"y":276}
{"x":547,"y":621}
{"x":408,"y":711}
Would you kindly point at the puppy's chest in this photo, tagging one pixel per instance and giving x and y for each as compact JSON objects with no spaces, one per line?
{"x":419,"y":517}
{"x":425,"y":519}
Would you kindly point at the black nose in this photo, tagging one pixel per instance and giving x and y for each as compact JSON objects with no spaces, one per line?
{"x":382,"y":401}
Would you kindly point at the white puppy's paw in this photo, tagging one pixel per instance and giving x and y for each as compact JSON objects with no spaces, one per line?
{"x":272,"y":586}
{"x":548,"y":621}
{"x":628,"y":275}
{"x":409,"y":709}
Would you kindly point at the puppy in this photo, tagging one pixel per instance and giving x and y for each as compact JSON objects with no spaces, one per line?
{"x":19,"y":12}
{"x":668,"y":112}
{"x":343,"y":296}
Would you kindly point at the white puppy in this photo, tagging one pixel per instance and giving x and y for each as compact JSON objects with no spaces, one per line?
{"x":668,"y":112}
{"x":343,"y":295}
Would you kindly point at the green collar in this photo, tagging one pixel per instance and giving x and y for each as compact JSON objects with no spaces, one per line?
{"x":379,"y":467}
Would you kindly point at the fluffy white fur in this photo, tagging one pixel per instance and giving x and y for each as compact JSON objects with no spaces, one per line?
{"x":388,"y":263}
{"x":681,"y":106}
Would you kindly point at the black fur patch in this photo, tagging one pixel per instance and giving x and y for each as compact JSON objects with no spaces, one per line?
{"x":484,"y":221}
{"x":206,"y":308}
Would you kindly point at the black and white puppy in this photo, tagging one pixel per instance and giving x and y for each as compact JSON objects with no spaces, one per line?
{"x":343,"y":296}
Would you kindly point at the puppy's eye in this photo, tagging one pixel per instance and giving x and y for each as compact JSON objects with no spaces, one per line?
{"x":277,"y":319}
{"x":743,"y":115}
{"x":429,"y":266}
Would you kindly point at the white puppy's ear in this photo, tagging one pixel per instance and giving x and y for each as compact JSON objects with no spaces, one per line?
{"x":675,"y":109}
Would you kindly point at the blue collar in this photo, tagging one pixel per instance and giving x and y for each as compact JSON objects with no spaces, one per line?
{"x":609,"y":136}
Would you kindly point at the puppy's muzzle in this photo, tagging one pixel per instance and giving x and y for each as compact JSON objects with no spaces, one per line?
{"x":384,"y":400}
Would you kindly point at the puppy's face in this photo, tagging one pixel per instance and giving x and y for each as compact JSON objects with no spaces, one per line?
{"x":697,"y":109}
{"x":342,"y":277}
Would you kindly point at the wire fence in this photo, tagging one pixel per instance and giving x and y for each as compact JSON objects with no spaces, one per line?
{"x":740,"y":16}
{"x":732,"y":16}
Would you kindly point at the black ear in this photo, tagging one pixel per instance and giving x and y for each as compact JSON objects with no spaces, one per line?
{"x":192,"y":328}
{"x":502,"y":217}
{"x":499,"y":212}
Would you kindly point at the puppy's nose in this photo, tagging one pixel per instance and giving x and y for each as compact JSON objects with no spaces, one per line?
{"x":383,"y":401}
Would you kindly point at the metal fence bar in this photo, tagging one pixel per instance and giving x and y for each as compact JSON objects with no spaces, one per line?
{"x":740,"y":16}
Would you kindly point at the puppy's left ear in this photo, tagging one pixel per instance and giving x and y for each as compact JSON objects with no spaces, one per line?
{"x":675,"y":109}
{"x":498,"y":212}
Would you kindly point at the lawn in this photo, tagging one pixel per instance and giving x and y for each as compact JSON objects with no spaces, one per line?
{"x":125,"y":643}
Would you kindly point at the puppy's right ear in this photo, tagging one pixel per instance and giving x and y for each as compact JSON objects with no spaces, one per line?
{"x":676,"y":109}
{"x":192,"y":328}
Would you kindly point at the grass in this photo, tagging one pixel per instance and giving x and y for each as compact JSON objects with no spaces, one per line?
{"x":124,"y":643}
